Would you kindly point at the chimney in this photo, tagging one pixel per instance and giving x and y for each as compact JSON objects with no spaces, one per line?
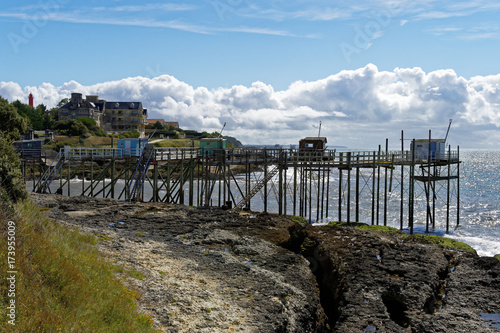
{"x":30,"y":97}
{"x":76,"y":98}
{"x":92,"y":98}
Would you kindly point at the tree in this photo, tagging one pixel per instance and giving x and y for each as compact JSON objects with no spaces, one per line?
{"x":71,"y":127}
{"x":12,"y":126}
{"x":39,"y":118}
{"x":62,"y":102}
{"x":158,"y":125}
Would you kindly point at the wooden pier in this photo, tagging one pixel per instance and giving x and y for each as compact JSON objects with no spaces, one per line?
{"x":350,"y":186}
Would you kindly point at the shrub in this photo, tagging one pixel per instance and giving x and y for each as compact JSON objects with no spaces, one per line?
{"x":10,"y":173}
{"x":71,"y":127}
{"x":131,"y":134}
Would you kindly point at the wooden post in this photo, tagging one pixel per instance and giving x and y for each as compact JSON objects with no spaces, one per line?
{"x":83,"y":176}
{"x":385,"y":180}
{"x":327,"y":190}
{"x":169,"y":191}
{"x":357,"y":189}
{"x":295,"y":188}
{"x":401,"y":207}
{"x":191,"y":181}
{"x":427,"y":192}
{"x":318,"y":198}
{"x":374,"y":165}
{"x":323,"y":190}
{"x":412,"y":188}
{"x":378,"y":184}
{"x":340,"y":194}
{"x":448,"y":191}
{"x":249,"y":178}
{"x":265,"y":183}
{"x":284,"y":182}
{"x":181,"y":183}
{"x":113,"y":180}
{"x":310,"y":191}
{"x":458,"y":186}
{"x":69,"y":178}
{"x":155,"y":180}
{"x":348,"y":187}
{"x":280,"y":191}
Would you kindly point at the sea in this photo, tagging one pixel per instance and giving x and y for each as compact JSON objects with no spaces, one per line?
{"x":477,"y":195}
{"x":480,"y":201}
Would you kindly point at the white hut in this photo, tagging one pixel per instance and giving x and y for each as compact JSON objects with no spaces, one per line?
{"x":437,"y":149}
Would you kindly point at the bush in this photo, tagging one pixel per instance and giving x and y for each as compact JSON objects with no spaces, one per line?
{"x":131,"y":134}
{"x":92,"y":126}
{"x":71,"y":127}
{"x":10,"y":173}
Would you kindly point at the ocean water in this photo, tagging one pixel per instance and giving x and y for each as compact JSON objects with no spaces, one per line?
{"x":480,"y":201}
{"x":479,"y":220}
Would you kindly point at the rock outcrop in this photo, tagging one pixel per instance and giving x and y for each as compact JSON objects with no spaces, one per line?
{"x":208,"y":270}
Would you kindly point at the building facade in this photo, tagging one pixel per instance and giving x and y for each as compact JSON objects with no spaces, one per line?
{"x":111,"y":117}
{"x":77,"y":107}
{"x":152,"y":122}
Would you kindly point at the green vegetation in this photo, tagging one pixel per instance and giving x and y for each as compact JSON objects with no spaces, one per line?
{"x":71,"y":128}
{"x":39,"y":118}
{"x":176,"y":143}
{"x":136,"y":275}
{"x":442,"y":241}
{"x":11,"y":127}
{"x":63,"y":283}
{"x":498,"y":256}
{"x":298,"y":219}
{"x":130,"y":134}
{"x":418,"y":238}
{"x":78,"y":127}
{"x":75,"y":142}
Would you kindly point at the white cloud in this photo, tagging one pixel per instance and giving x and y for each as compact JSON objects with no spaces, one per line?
{"x":357,"y":108}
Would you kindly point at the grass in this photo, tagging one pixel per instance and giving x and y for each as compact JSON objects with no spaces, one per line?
{"x":297,"y":219}
{"x":442,"y":241}
{"x":419,"y":238}
{"x":177,"y":143}
{"x":75,"y":141}
{"x":498,"y":256}
{"x":63,"y":283}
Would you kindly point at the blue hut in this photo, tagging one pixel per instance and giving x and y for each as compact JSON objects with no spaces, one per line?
{"x":132,"y":146}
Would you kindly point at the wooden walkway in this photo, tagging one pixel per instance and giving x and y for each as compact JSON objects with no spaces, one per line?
{"x":294,"y":182}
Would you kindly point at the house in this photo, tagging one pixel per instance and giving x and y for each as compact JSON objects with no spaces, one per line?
{"x":152,"y":122}
{"x":111,"y":117}
{"x":29,"y":149}
{"x":77,"y":107}
{"x":313,"y":144}
{"x":208,"y":145}
{"x":131,"y":146}
{"x":121,"y":117}
{"x":437,"y":149}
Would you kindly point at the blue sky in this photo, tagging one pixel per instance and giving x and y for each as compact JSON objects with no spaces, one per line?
{"x":217,"y":43}
{"x":234,"y":44}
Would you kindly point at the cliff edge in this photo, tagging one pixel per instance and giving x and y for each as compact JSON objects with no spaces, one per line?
{"x":209,"y":270}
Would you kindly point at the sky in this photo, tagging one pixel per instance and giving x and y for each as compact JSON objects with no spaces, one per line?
{"x":271,"y":70}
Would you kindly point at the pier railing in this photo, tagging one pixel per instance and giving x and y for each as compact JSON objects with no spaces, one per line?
{"x":265,"y":155}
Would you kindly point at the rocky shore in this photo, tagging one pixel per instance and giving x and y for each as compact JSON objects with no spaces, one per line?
{"x":209,"y":270}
